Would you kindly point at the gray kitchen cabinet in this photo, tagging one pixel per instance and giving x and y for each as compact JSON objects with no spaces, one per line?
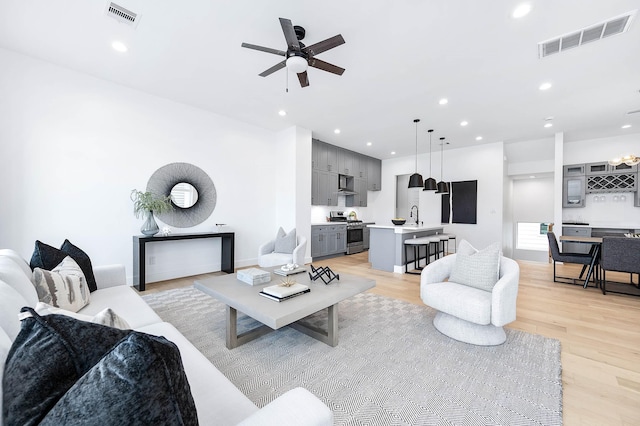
{"x":576,"y":231}
{"x":574,"y":189}
{"x":324,"y":187}
{"x":605,"y":168}
{"x":574,"y":170}
{"x":359,"y":199}
{"x":328,"y":240}
{"x":324,"y":156}
{"x":374,"y":174}
{"x":360,"y":166}
{"x":345,"y":162}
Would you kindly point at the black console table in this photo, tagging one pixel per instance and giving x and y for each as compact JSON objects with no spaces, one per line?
{"x":139,"y":242}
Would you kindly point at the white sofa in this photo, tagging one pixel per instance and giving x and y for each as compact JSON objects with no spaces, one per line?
{"x":217,"y":400}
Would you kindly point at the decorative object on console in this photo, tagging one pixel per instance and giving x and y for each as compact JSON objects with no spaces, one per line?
{"x":146,"y":203}
{"x":324,"y":273}
{"x":415,"y":180}
{"x":442,"y":186}
{"x":202,"y":202}
{"x":430,"y":183}
{"x":629,"y":160}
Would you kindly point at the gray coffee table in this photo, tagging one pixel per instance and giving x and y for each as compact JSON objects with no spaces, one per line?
{"x":239,"y":296}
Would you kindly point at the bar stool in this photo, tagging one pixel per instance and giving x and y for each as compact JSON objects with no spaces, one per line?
{"x":415,"y":243}
{"x":452,"y":237}
{"x":435,"y":241}
{"x":444,"y":241}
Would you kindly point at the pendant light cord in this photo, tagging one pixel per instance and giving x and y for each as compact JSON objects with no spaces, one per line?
{"x":441,"y":158}
{"x":417,"y":120}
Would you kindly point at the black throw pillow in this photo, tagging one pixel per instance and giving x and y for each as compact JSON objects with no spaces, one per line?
{"x":83,"y":260}
{"x":140,"y":382}
{"x":45,"y":257}
{"x":46,"y":359}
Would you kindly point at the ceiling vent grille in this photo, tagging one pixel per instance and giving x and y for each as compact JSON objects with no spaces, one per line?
{"x":122,"y":15}
{"x":613,"y":26}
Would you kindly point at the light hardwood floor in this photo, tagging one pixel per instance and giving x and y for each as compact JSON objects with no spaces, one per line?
{"x":600,"y":334}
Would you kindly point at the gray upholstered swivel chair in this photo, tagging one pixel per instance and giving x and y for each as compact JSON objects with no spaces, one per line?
{"x":469,"y":314}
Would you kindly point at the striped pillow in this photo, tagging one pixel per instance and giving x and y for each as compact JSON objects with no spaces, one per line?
{"x":63,"y":287}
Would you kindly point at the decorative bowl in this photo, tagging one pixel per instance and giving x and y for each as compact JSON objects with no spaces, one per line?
{"x":398,"y":221}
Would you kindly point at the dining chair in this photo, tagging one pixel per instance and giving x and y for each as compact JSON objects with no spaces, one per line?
{"x":568,"y":257}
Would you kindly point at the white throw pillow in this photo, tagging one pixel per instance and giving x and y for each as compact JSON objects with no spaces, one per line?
{"x":63,"y":287}
{"x":479,"y":270}
{"x":286,"y":243}
{"x":105,"y":317}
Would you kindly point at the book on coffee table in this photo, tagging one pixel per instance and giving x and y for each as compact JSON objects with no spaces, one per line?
{"x":280,"y":292}
{"x":285,"y":273}
{"x":280,"y":299}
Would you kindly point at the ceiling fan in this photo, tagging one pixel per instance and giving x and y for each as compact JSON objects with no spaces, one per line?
{"x":298,"y":56}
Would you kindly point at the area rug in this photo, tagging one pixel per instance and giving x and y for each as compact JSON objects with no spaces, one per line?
{"x":391,"y":366}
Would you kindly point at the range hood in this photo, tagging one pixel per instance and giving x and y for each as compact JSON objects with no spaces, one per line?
{"x":345,"y":185}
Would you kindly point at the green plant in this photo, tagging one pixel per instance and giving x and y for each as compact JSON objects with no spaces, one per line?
{"x":144,"y":202}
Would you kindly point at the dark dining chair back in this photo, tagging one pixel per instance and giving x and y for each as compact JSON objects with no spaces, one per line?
{"x":557,"y":256}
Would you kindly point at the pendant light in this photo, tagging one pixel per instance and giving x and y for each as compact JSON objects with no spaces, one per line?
{"x":443,"y":187}
{"x":430,"y":184}
{"x":415,"y":181}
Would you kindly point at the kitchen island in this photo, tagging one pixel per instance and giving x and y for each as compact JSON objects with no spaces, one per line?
{"x":386,"y":244}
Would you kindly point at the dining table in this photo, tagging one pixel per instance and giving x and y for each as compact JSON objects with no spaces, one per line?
{"x":594,"y":251}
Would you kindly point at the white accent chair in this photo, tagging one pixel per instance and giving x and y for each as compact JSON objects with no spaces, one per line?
{"x":466,"y":313}
{"x":267,"y":257}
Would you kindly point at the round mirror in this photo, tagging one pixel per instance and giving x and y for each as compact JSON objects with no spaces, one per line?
{"x":184,"y":195}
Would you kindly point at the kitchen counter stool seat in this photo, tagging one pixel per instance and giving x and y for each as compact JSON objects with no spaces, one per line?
{"x":415,"y":244}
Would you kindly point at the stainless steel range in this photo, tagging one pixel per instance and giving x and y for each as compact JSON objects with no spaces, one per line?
{"x":355,"y":232}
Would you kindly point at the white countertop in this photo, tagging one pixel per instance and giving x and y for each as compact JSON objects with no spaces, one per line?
{"x":407,"y":229}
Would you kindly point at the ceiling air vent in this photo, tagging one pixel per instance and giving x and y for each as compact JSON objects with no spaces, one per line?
{"x":122,"y":15}
{"x":613,"y":26}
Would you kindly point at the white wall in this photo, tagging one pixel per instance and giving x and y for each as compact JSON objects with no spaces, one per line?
{"x":483,"y":163}
{"x":74,"y":146}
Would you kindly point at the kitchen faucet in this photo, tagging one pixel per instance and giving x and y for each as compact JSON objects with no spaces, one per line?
{"x":411,"y":213}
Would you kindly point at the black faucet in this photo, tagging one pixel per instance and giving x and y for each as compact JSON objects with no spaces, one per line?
{"x":411,"y":213}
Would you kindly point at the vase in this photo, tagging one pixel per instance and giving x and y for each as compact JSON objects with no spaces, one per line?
{"x":150,"y":227}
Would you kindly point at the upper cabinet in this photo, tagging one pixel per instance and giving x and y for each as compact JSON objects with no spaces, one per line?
{"x":324,"y":156}
{"x":329,"y":161}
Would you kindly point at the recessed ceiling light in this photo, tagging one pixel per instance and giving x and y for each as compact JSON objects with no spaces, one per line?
{"x":119,"y":46}
{"x":532,"y":176}
{"x":478,"y":138}
{"x":521,"y":11}
{"x":548,"y":125}
{"x":393,"y":153}
{"x":443,"y":101}
{"x":282,"y":113}
{"x":626,"y":126}
{"x":369,"y":144}
{"x":548,"y":119}
{"x":336,"y":131}
{"x":545,"y":86}
{"x":464,"y":123}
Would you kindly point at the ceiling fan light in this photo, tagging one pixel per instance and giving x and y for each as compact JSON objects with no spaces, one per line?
{"x":297,"y":64}
{"x":443,"y":188}
{"x":415,"y":181}
{"x":430,"y":184}
{"x":615,"y":161}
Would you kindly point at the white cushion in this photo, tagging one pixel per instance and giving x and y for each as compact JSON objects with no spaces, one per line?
{"x":470,"y":304}
{"x":105,"y":317}
{"x":126,"y":302}
{"x":65,"y":286}
{"x":12,"y":274}
{"x":480,"y":270}
{"x":10,"y":304}
{"x":15,"y":256}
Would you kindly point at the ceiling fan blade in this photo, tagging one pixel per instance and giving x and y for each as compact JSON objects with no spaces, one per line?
{"x":324,"y":45}
{"x":325,"y":66}
{"x":273,"y":69}
{"x":289,"y":34}
{"x":264,"y":49}
{"x":304,"y":79}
